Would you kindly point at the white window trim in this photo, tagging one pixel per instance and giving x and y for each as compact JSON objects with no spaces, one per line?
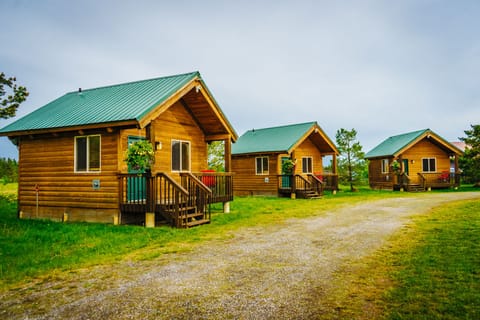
{"x":311,"y":161}
{"x":385,"y":168}
{"x":263,"y":173}
{"x":436,"y":165}
{"x":189,"y":155}
{"x":88,"y":154}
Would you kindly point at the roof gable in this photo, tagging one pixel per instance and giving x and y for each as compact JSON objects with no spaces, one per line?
{"x":395,"y":145}
{"x":276,"y":139}
{"x":129,"y":102}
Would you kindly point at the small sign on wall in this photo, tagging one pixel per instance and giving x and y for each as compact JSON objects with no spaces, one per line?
{"x":95,"y":184}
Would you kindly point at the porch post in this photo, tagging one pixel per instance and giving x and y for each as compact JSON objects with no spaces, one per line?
{"x":456,"y":174}
{"x":334,"y":171}
{"x":228,"y":154}
{"x":228,"y":168}
{"x":149,"y":194}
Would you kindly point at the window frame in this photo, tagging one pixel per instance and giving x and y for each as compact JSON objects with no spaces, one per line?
{"x":263,"y":171}
{"x":87,"y":154}
{"x":429,"y":159}
{"x":309,"y":161}
{"x":181,"y":160}
{"x":385,"y":165}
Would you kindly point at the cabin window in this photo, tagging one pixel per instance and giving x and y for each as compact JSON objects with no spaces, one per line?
{"x":87,"y":153}
{"x":384,"y":165}
{"x":429,"y":165}
{"x":180,"y":155}
{"x":261,"y":164}
{"x":307,"y":165}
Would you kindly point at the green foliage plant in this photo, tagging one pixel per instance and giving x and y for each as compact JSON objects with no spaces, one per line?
{"x":351,"y":160}
{"x":15,"y":96}
{"x":470,"y":161}
{"x":396,"y":166}
{"x":140,"y":155}
{"x":288,"y":166}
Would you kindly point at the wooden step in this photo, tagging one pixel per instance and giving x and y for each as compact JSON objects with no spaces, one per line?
{"x":194,"y":223}
{"x":310,"y":194}
{"x":415,"y":188}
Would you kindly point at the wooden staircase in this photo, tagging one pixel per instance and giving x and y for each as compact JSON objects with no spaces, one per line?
{"x":308,"y":194}
{"x":413,"y":187}
{"x":181,"y":204}
{"x":184,"y":216}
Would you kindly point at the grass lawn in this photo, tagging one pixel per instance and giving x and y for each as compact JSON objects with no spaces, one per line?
{"x":436,"y":268}
{"x":39,"y":248}
{"x":429,"y":270}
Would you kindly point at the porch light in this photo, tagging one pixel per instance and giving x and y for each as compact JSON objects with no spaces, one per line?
{"x":158,"y":145}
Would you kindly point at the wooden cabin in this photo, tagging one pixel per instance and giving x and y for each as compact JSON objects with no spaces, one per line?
{"x":258,"y":155}
{"x":414,"y":161}
{"x":72,"y":151}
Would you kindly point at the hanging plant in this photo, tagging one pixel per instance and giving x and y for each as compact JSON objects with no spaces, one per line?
{"x":287,"y":166}
{"x":140,"y":155}
{"x":396,"y":166}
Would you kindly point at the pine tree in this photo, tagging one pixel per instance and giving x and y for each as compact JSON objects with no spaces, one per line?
{"x":351,"y":163}
{"x":470,"y":161}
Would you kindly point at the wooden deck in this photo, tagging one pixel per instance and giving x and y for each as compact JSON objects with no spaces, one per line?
{"x":425,"y":181}
{"x":182,"y":205}
{"x":306,"y":186}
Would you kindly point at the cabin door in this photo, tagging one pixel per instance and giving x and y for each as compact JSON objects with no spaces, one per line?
{"x":285,"y":179}
{"x":136,"y":186}
{"x":405,"y":166}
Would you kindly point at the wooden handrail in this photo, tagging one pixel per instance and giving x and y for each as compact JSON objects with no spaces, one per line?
{"x":197,"y":181}
{"x":302,"y":178}
{"x":422,"y":179}
{"x":315,"y":178}
{"x":174,"y":183}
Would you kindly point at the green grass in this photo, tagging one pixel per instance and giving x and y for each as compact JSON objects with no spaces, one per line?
{"x":436,"y":268}
{"x":39,"y":248}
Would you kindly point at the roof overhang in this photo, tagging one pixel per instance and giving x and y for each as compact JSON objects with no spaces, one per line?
{"x":203,"y":108}
{"x":319,"y":139}
{"x":433,"y":138}
{"x":94,"y":126}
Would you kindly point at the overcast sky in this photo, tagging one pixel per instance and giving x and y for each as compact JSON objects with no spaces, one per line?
{"x":381,"y":67}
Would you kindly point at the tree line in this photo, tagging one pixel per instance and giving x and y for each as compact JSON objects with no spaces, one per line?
{"x":8,"y":170}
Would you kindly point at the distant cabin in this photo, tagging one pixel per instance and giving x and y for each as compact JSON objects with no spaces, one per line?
{"x":258,"y":155}
{"x":72,"y":150}
{"x":414,"y":161}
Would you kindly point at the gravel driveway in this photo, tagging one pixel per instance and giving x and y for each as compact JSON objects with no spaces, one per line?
{"x":278,"y":272}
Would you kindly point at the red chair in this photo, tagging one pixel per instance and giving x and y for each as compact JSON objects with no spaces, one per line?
{"x":208,"y":180}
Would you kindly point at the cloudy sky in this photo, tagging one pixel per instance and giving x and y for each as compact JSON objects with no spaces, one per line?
{"x":381,"y":67}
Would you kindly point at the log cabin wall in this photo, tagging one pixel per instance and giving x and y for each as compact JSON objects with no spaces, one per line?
{"x":248,"y":183}
{"x":308,"y":149}
{"x":176,"y":123}
{"x":48,"y":161}
{"x":377,"y":179}
{"x":425,"y":149}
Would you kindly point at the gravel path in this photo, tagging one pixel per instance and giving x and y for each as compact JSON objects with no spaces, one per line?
{"x":278,"y":272}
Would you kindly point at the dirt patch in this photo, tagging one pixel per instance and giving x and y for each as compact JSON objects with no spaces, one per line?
{"x":261,"y":273}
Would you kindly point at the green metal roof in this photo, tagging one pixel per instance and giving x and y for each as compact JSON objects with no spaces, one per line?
{"x":276,"y":139}
{"x":394,"y":144}
{"x":122,"y":102}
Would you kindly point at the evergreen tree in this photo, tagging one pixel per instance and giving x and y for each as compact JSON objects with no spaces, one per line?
{"x":350,"y":162}
{"x":8,"y":170}
{"x":470,"y":161}
{"x":15,"y":96}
